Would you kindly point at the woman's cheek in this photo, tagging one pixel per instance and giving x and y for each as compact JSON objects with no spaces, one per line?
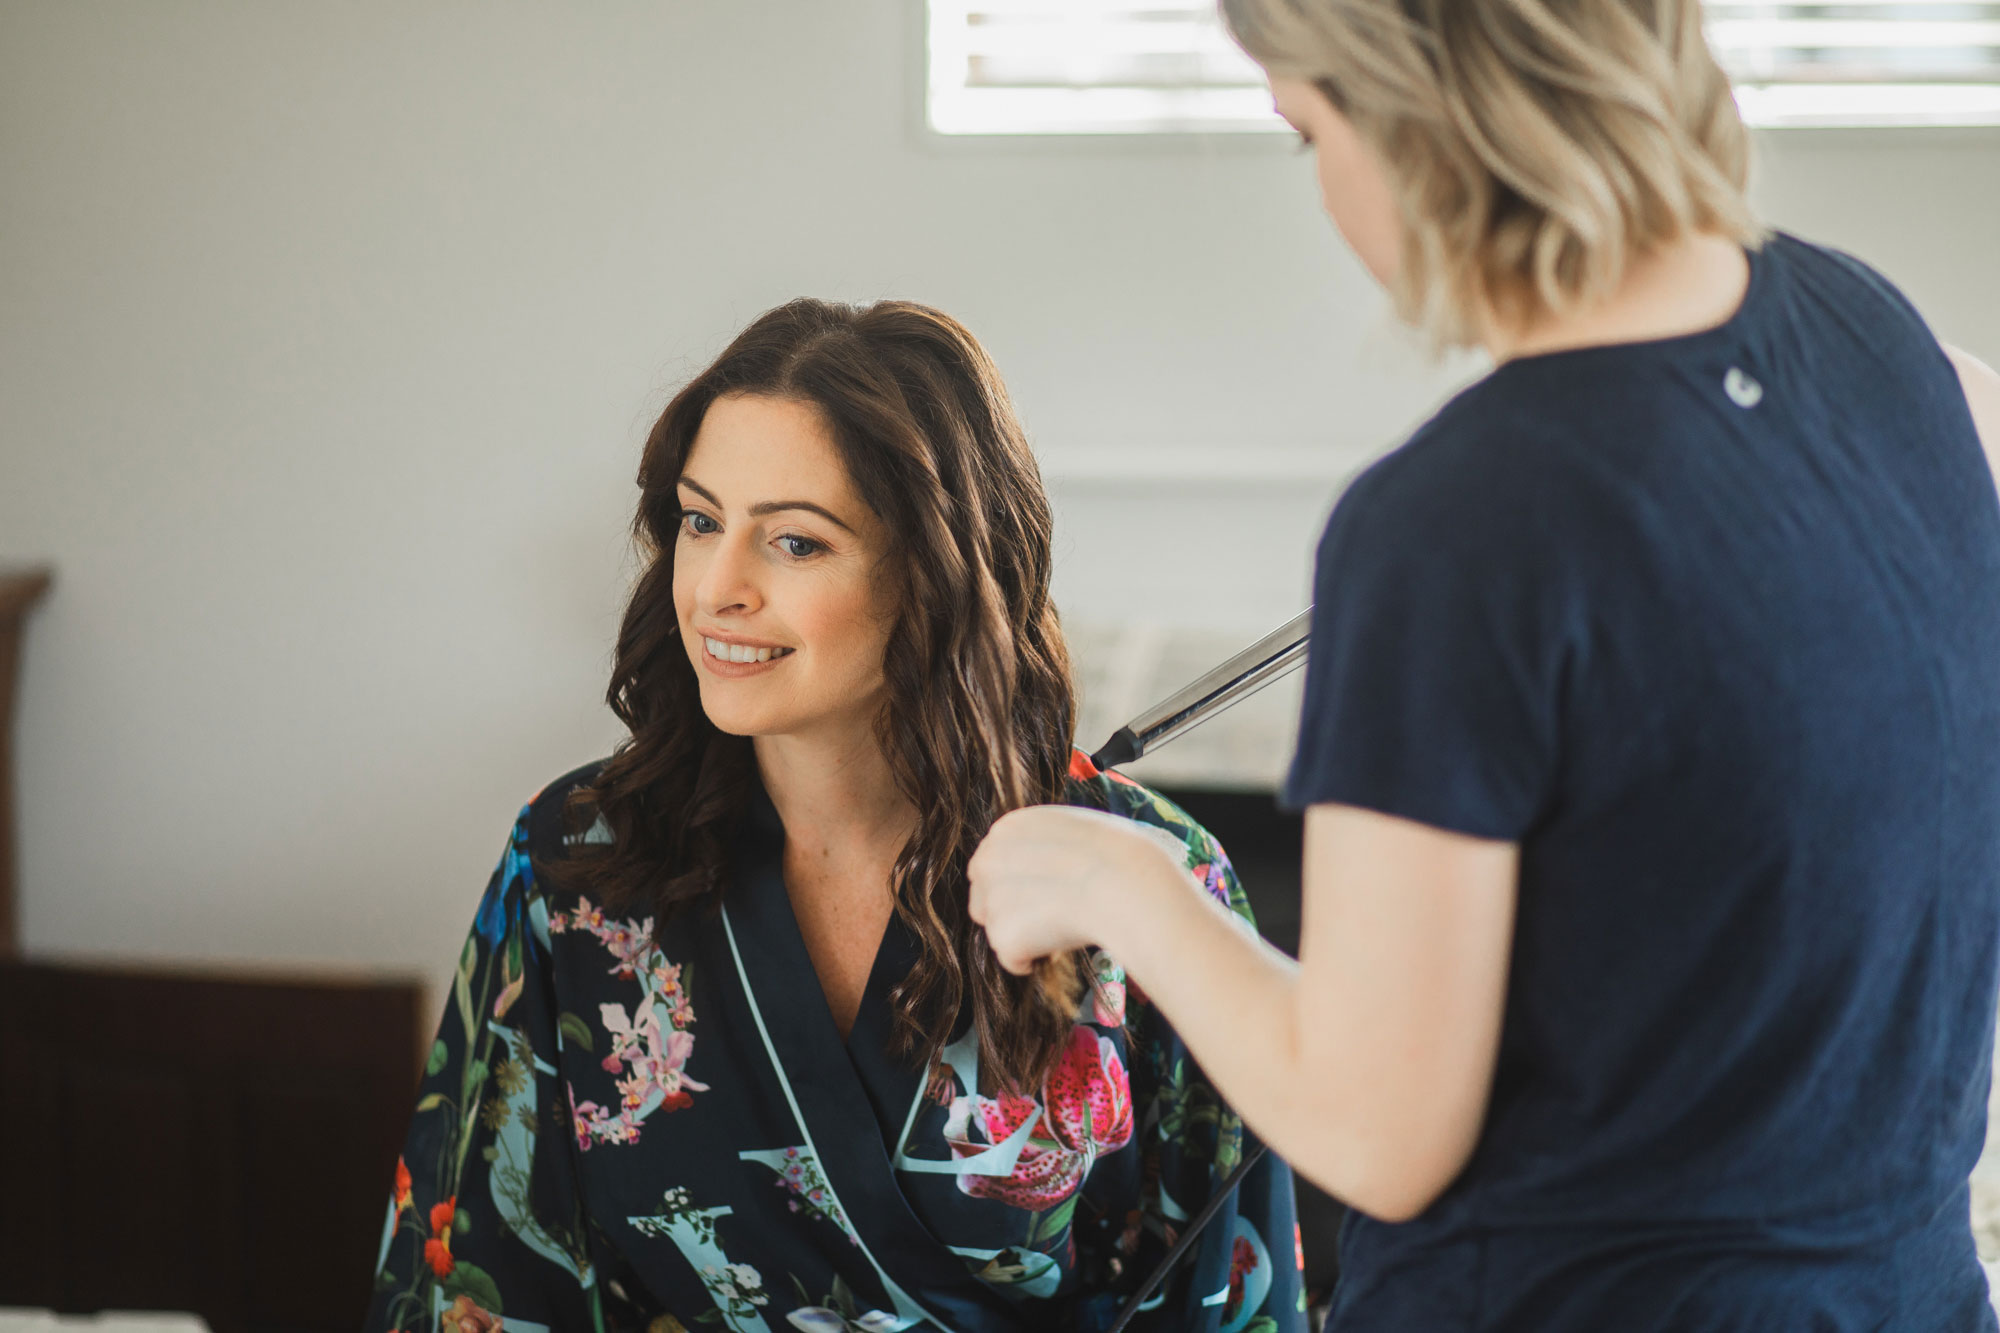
{"x":687,"y":575}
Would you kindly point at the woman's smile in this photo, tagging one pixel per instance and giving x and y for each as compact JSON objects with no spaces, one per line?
{"x":725,"y":651}
{"x":733,"y":660}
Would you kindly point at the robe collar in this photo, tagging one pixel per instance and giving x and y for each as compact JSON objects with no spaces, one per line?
{"x":852,"y":1096}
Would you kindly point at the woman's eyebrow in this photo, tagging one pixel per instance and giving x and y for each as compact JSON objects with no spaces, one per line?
{"x":774,"y":506}
{"x":770,"y":506}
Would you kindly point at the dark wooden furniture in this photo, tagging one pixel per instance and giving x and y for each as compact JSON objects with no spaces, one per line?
{"x":219,"y":1145}
{"x":19,"y":590}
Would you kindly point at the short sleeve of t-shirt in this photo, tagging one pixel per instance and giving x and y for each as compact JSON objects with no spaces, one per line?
{"x":1439,"y":637}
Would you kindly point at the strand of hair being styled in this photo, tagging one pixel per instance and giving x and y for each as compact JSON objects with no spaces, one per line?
{"x":985,"y":673}
{"x":979,"y":702}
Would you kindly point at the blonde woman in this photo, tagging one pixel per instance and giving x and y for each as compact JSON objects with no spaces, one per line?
{"x":1651,"y":741}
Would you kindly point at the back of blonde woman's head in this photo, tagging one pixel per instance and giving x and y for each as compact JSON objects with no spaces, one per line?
{"x":1535,"y":147}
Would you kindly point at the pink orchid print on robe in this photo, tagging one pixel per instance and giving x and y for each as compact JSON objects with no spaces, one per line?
{"x":1085,"y":1111}
{"x":650,"y":1046}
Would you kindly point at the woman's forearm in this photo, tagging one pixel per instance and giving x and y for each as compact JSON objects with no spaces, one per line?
{"x":1367,"y":1066}
{"x":1230,"y":996}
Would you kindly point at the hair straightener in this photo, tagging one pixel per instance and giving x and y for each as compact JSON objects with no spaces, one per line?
{"x":1272,"y":657}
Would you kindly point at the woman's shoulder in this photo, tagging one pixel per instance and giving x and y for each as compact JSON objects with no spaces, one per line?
{"x":523,"y":899}
{"x":554,"y":823}
{"x":1498,"y":490}
{"x":1116,"y":794}
{"x":1489,"y":479}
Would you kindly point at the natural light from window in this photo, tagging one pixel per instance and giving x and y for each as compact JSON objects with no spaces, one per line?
{"x":999,"y":67}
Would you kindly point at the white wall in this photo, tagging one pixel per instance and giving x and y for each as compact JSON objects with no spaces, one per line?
{"x":328,"y":335}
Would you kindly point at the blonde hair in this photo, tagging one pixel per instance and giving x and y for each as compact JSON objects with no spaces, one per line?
{"x":1535,"y":147}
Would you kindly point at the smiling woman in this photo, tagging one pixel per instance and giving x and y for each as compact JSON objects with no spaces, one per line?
{"x":854,"y":486}
{"x":726,"y":1047}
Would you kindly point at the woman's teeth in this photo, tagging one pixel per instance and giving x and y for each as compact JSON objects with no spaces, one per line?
{"x":741,"y":652}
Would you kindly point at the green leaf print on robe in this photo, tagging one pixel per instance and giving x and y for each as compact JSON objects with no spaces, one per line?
{"x":737,"y":1289}
{"x":799,"y":1174}
{"x":481,"y":1092}
{"x":1022,"y":1271}
{"x":513,"y":1156}
{"x":837,"y":1312}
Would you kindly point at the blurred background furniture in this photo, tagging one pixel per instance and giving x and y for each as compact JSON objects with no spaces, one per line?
{"x":173,"y":1140}
{"x":111,"y":1321}
{"x":19,"y":590}
{"x":220,"y":1145}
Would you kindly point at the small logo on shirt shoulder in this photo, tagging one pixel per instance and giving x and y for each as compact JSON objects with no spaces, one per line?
{"x":1742,"y":390}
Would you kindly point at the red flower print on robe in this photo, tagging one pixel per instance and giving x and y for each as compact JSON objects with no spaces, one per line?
{"x":437,"y":1250}
{"x":1046,"y":1172}
{"x":1086,"y":1110}
{"x":1242,"y":1262}
{"x":1089,"y":1098}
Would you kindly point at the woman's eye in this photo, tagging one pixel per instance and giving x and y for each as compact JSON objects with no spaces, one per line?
{"x":799,"y":547}
{"x":698,"y":523}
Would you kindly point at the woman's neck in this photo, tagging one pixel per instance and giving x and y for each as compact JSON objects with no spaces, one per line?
{"x":835,"y":794}
{"x":1692,"y":285}
{"x":845,"y":825}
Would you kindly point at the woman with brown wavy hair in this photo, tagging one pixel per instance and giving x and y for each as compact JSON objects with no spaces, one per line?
{"x":725,"y":1046}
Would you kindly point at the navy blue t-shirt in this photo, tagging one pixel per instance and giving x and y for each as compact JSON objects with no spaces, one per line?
{"x":1710,"y":626}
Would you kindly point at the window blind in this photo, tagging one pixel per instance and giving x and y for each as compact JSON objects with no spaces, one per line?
{"x":1887,"y":62}
{"x":1166,"y":66}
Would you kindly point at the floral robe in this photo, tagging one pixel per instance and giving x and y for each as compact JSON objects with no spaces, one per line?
{"x":612,"y":1135}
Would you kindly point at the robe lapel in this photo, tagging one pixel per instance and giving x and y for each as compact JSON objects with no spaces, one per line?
{"x":838,"y":1121}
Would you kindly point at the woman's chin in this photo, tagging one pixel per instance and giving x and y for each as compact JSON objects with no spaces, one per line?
{"x":741,"y":722}
{"x":751,"y":718}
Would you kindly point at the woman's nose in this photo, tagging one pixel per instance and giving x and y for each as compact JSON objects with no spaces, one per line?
{"x":729,"y":582}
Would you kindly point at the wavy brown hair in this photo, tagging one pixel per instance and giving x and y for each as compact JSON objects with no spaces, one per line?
{"x":979,"y":707}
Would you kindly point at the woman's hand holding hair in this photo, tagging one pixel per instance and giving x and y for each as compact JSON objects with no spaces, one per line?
{"x":1368,"y":1064}
{"x":1050,"y":878}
